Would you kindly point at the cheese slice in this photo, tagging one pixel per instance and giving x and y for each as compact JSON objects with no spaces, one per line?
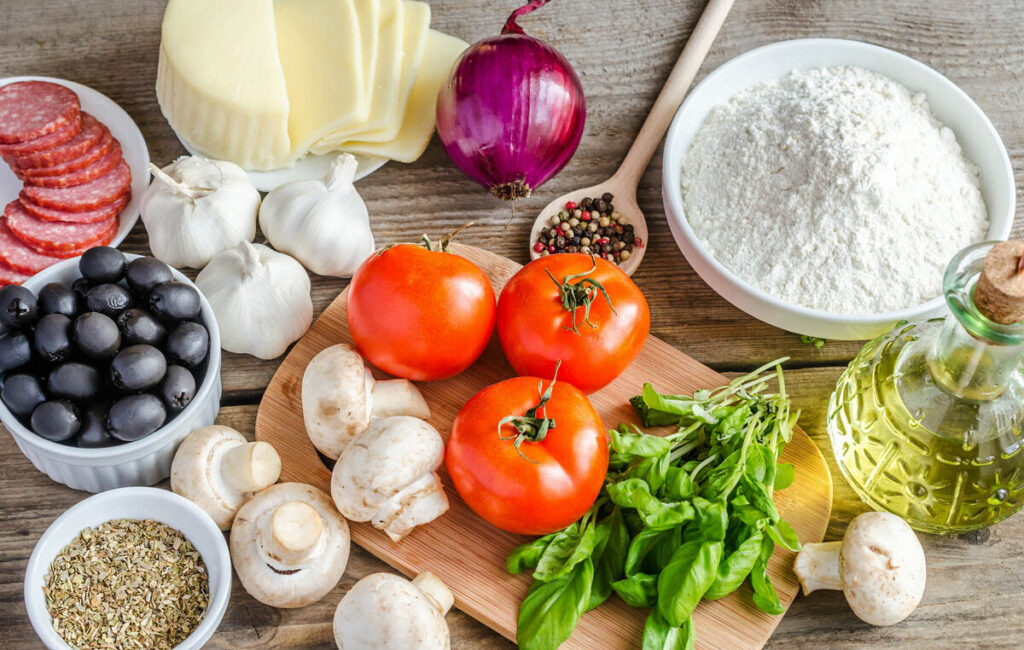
{"x":418,"y":125}
{"x":319,"y":46}
{"x":398,"y":56}
{"x":220,"y":84}
{"x":368,"y":15}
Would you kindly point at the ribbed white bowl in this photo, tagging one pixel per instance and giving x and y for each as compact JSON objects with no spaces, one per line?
{"x":143,"y":462}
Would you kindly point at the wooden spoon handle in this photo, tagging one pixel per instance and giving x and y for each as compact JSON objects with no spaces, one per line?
{"x":673,"y":92}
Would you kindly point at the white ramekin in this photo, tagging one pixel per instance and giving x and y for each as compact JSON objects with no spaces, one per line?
{"x":949,"y":103}
{"x":143,"y":462}
{"x":132,"y":503}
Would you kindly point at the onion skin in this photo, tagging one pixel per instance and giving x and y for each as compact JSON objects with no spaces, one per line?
{"x":512,"y":112}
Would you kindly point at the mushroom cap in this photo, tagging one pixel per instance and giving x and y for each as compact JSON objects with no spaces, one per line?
{"x":336,"y":398}
{"x":384,"y":611}
{"x":882,"y":566}
{"x":391,"y":456}
{"x":195,"y":472}
{"x":274,"y":581}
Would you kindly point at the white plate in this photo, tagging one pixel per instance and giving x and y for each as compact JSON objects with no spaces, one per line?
{"x":122,"y":127}
{"x":304,"y":169}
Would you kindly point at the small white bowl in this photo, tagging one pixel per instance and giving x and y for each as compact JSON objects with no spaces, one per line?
{"x":950,"y":105}
{"x":132,"y":503}
{"x":143,"y":462}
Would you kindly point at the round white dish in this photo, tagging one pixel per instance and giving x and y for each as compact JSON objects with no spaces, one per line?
{"x":143,"y":462}
{"x":307,"y":168}
{"x":132,"y":503}
{"x":950,"y":105}
{"x":122,"y":127}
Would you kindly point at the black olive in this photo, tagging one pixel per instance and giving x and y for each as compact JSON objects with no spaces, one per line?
{"x":81,"y":287}
{"x":22,"y":393}
{"x":140,"y":326}
{"x":97,"y":336}
{"x":74,"y":381}
{"x":109,"y":299}
{"x":56,"y":420}
{"x":93,"y":432}
{"x":135,"y":416}
{"x":102,"y":264}
{"x":18,"y":307}
{"x":15,"y":351}
{"x":52,"y":338}
{"x":188,"y":344}
{"x":145,"y":273}
{"x":177,"y":389}
{"x":138,"y":368}
{"x":174,"y":301}
{"x":59,"y":298}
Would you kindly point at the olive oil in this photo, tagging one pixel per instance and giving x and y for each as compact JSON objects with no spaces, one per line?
{"x":927,"y":420}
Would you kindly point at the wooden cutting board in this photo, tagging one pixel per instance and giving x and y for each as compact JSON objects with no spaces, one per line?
{"x":468,"y":554}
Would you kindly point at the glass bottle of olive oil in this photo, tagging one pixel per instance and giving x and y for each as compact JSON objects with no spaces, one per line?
{"x":927,"y":420}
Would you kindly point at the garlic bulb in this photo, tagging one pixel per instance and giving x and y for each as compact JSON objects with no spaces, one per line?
{"x":260,"y":298}
{"x":196,"y":208}
{"x":323,"y":223}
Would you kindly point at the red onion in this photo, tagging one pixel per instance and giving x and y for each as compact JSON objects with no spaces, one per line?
{"x":511,"y":114}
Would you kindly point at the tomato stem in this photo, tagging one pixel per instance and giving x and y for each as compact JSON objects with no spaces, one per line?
{"x":580,"y":294}
{"x":446,"y":239}
{"x":530,"y":426}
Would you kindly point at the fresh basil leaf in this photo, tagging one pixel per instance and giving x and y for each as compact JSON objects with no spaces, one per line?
{"x":663,"y":550}
{"x":770,"y":465}
{"x":784,"y":535}
{"x":765,"y":596}
{"x":652,"y":417}
{"x":719,"y":482}
{"x":755,"y":463}
{"x":731,"y":422}
{"x":551,"y":610}
{"x":526,"y":556}
{"x":655,"y":513}
{"x":638,"y":590}
{"x":758,"y":495}
{"x":659,"y":635}
{"x":735,"y":568}
{"x":638,"y":445}
{"x":683,"y":582}
{"x":610,"y":558}
{"x":679,"y":405}
{"x":785,"y":473}
{"x":564,"y":553}
{"x":640,"y":546}
{"x":712,"y":518}
{"x":678,"y":485}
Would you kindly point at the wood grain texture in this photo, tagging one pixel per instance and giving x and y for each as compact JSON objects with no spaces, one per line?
{"x":469,"y":555}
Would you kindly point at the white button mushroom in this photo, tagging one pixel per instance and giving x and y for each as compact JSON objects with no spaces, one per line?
{"x":340,"y":398}
{"x":289,"y":545}
{"x":879,"y":565}
{"x":216,"y":468}
{"x":388,"y":475}
{"x":384,"y":611}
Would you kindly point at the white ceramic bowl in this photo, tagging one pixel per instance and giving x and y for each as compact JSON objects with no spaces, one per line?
{"x":951,"y":105}
{"x":132,"y":503}
{"x":143,"y":462}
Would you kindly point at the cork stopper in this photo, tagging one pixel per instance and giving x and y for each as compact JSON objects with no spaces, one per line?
{"x":999,"y":293}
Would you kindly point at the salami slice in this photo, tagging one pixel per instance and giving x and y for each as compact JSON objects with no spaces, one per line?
{"x":105,"y":239}
{"x":81,"y":176}
{"x":10,"y":276}
{"x":53,"y":236}
{"x":29,"y":109}
{"x":44,"y":142}
{"x":91,"y":135}
{"x":100,"y":149}
{"x":101,"y":191}
{"x":19,"y":256}
{"x":90,"y":216}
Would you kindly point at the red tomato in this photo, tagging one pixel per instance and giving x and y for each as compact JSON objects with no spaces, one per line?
{"x":542,"y":319}
{"x":420,"y":314}
{"x":541,"y":486}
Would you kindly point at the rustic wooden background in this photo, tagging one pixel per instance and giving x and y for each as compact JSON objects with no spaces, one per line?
{"x":622,"y":50}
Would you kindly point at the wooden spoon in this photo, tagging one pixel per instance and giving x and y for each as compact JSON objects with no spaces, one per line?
{"x":624,"y":182}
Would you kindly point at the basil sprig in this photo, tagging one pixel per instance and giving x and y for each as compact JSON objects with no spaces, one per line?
{"x":683,"y":517}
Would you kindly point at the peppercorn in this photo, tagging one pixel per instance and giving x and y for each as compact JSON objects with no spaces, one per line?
{"x":559,"y":242}
{"x":574,"y":222}
{"x":564,"y":225}
{"x":585,"y":241}
{"x":570,"y":205}
{"x":607,"y":197}
{"x":605,"y":221}
{"x":585,"y":202}
{"x":624,"y":255}
{"x":602,"y":206}
{"x":592,"y":226}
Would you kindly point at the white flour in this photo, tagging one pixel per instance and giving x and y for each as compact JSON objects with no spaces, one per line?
{"x":835,"y":189}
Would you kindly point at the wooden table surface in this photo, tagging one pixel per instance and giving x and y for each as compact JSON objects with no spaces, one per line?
{"x":622,"y":50}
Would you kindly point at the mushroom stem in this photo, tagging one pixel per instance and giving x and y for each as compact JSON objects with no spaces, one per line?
{"x":291,"y":535}
{"x":817,"y":567}
{"x":250,"y":467}
{"x":398,"y":397}
{"x":436,"y":591}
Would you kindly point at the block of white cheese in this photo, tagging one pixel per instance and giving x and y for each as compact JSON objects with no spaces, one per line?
{"x":399,"y":55}
{"x":368,"y":14}
{"x":318,"y":43}
{"x":220,"y":84}
{"x":418,"y":124}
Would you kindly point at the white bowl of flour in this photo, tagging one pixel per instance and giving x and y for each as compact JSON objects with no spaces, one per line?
{"x":822,"y":185}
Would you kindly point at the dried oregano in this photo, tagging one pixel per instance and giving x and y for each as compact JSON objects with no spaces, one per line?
{"x":127,"y":584}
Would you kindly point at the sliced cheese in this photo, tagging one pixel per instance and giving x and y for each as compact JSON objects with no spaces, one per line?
{"x":220,"y":84}
{"x":319,"y":46}
{"x":368,"y":15}
{"x":418,"y":125}
{"x":398,"y":57}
